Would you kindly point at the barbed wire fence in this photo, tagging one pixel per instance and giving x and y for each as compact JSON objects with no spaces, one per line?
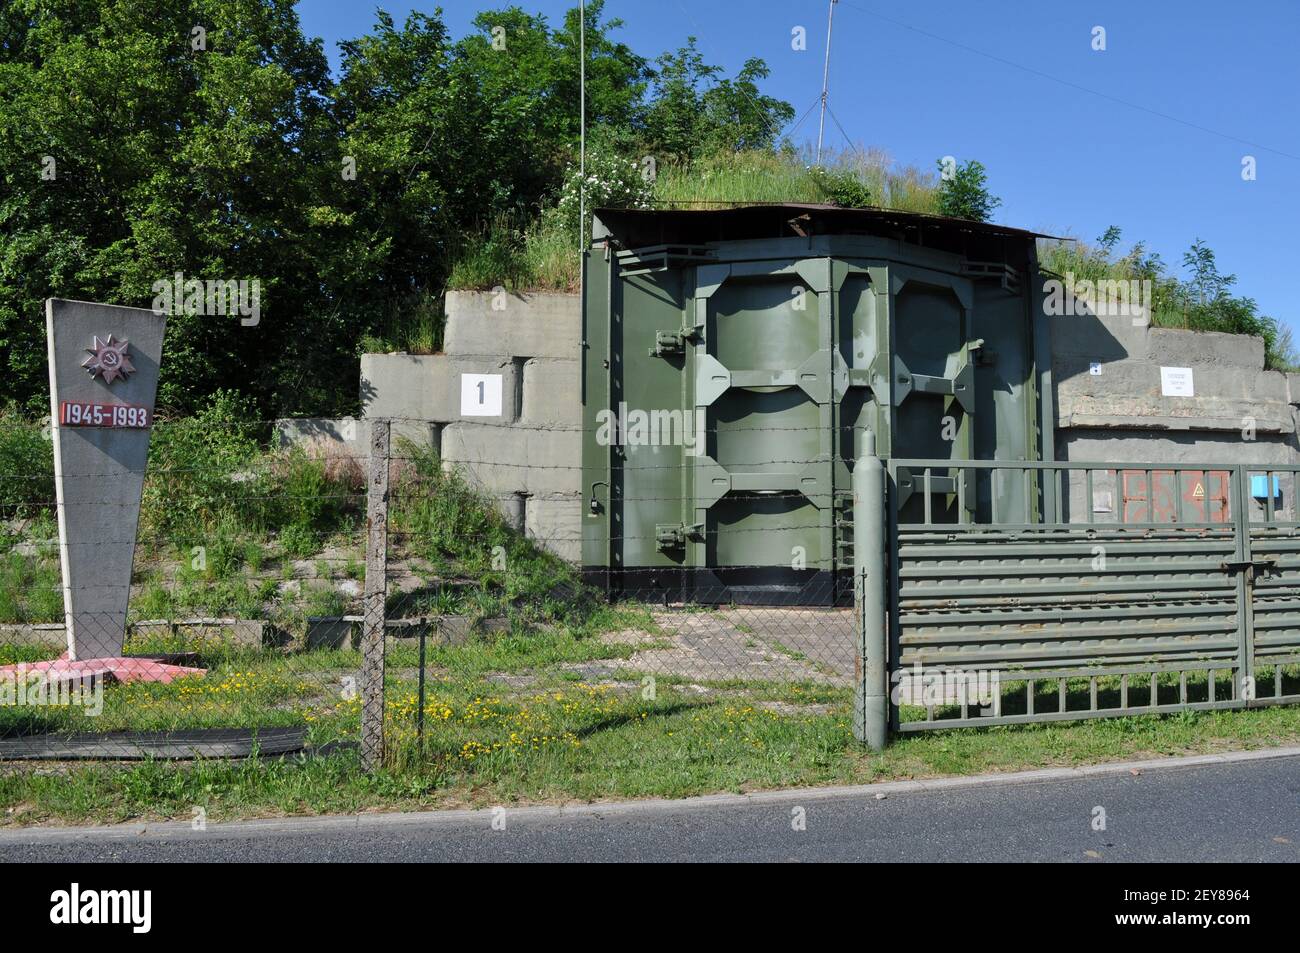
{"x":245,"y":595}
{"x":380,"y":599}
{"x":373,"y":595}
{"x":502,"y":650}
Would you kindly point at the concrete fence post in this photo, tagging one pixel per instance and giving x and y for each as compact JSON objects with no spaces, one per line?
{"x":870,"y":696}
{"x":376,"y":592}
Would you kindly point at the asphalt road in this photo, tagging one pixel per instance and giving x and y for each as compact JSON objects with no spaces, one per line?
{"x":1239,"y":810}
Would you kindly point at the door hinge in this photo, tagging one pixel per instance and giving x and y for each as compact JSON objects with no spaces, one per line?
{"x":669,"y":536}
{"x":673,"y":342}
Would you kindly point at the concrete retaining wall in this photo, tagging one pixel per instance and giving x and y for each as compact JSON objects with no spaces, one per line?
{"x":350,"y":433}
{"x":1110,"y":404}
{"x":523,"y":450}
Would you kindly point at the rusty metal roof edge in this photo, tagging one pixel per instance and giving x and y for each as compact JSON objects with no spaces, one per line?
{"x":873,"y":212}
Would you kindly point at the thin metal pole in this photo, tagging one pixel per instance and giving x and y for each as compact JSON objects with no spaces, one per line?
{"x":419,"y":718}
{"x":826,"y":72}
{"x":582,"y":123}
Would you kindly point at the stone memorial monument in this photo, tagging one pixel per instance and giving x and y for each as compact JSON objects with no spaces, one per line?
{"x":103,"y":381}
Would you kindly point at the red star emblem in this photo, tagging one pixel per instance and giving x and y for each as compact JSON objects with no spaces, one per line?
{"x":108,"y":359}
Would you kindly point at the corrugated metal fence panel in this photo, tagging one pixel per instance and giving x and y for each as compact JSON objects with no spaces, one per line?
{"x":1276,"y":601}
{"x":1079,"y":611}
{"x":1064,"y":598}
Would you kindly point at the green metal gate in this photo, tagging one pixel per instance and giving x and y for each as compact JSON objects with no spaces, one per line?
{"x":1112,"y":589}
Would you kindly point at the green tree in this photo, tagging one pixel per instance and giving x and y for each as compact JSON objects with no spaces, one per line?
{"x":529,"y":74}
{"x":963,"y":192}
{"x":693,"y":112}
{"x":230,"y":153}
{"x":1208,"y":284}
{"x":126,"y":154}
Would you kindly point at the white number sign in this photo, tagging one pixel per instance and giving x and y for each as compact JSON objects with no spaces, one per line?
{"x":480,"y":395}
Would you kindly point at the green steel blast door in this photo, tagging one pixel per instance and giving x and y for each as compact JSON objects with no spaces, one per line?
{"x":744,"y":378}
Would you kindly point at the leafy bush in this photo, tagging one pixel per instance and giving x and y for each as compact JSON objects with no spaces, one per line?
{"x":963,"y":192}
{"x":26,"y":466}
{"x":841,"y":187}
{"x":199,"y":468}
{"x":612,"y":180}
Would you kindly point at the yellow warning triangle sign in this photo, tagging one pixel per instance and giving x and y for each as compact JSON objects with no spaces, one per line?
{"x":1198,"y":492}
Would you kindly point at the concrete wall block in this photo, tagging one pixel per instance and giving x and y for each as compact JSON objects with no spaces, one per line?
{"x":556,"y":524}
{"x":1145,"y":446}
{"x":351,"y":435}
{"x":427,"y":387}
{"x":513,"y":325}
{"x":1079,"y":339}
{"x":551,"y":393}
{"x":506,"y":460}
{"x":349,"y":432}
{"x":1128,"y":394}
{"x":1175,"y":348}
{"x":397,"y":385}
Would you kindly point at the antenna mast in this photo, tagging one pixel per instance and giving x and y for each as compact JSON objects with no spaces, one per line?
{"x":826,"y":72}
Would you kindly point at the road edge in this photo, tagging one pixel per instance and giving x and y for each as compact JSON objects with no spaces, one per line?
{"x":873,"y":791}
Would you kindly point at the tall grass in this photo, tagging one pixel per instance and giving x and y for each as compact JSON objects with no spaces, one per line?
{"x":758,"y":177}
{"x":542,"y":254}
{"x":26,"y":466}
{"x":414,"y":325}
{"x":538,"y":256}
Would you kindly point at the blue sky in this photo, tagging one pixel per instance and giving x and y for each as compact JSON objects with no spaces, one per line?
{"x":1148,"y":135}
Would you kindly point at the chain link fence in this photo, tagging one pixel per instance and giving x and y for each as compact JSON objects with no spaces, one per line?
{"x":499,"y":652}
{"x":369,"y":599}
{"x":378,"y":602}
{"x":245,"y":594}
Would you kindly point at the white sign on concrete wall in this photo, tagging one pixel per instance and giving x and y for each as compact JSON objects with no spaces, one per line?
{"x":1176,"y":382}
{"x":480,"y":395}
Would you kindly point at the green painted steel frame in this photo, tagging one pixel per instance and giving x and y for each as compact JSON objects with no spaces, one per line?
{"x":1020,"y":599}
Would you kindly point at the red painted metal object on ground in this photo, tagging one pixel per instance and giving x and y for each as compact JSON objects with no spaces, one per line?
{"x":134,"y":668}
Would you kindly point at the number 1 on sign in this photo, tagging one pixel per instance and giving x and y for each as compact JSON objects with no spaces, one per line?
{"x":480,"y":395}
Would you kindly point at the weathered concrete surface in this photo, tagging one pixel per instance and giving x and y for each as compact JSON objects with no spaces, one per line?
{"x":527,"y":458}
{"x":556,"y":523}
{"x":517,"y":325}
{"x":551,"y":392}
{"x":427,"y":386}
{"x":754,"y":643}
{"x":1239,"y":412}
{"x":350,"y":434}
{"x":99,"y":471}
{"x":504,"y":460}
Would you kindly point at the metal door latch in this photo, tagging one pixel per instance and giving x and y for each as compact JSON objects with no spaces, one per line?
{"x":1257,"y":567}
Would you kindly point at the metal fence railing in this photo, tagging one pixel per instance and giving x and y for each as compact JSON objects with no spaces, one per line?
{"x":1094,"y":590}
